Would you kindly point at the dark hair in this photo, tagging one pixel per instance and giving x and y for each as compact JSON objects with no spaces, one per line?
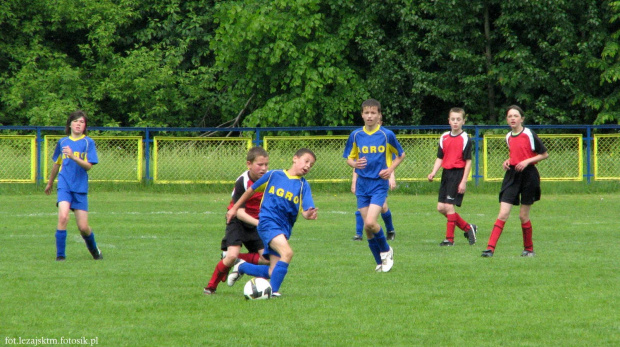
{"x":303,"y":151}
{"x":256,"y":152}
{"x":73,"y":116}
{"x":458,"y":110}
{"x":371,"y":103}
{"x":515,"y":107}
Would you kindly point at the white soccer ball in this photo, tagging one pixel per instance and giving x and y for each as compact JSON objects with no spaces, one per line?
{"x":257,"y":289}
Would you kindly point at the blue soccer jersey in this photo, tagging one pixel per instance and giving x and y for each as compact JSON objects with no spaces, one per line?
{"x":283,"y":197}
{"x":379,"y":147}
{"x":73,"y":177}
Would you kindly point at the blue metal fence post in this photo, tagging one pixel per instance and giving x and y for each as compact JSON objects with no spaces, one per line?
{"x":588,"y":151}
{"x":39,"y":140}
{"x":477,"y":149}
{"x":147,"y":154}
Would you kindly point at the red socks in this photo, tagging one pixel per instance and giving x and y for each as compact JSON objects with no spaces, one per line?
{"x":528,"y":244}
{"x":251,"y":258}
{"x":219,"y":275}
{"x":450,"y":226}
{"x":496,"y":233}
{"x":461,"y":223}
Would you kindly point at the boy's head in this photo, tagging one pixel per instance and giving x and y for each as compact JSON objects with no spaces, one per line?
{"x":371,"y":112}
{"x":257,"y":161}
{"x":303,"y":160}
{"x":456,"y":118}
{"x":74,"y":116}
{"x":514,"y":117}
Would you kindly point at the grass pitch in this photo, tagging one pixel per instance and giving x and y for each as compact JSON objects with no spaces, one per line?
{"x":160,"y":249}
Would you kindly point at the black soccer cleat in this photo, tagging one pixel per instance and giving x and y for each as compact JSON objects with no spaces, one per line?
{"x":487,"y":253}
{"x":471,"y":234}
{"x":358,"y":238}
{"x":446,"y":243}
{"x":527,"y":253}
{"x":391,"y":235}
{"x":60,"y":258}
{"x":96,"y":253}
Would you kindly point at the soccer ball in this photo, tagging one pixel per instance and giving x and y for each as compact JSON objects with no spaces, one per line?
{"x":257,"y":289}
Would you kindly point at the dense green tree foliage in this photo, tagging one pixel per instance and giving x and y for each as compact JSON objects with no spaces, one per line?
{"x":307,"y":62}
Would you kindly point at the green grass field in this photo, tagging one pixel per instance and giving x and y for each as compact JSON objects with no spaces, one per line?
{"x":160,"y":249}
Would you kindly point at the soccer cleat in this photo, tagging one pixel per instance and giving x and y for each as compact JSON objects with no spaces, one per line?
{"x":487,"y":253}
{"x":527,"y":253}
{"x":234,"y":274}
{"x":276,"y":295}
{"x":209,"y":291}
{"x":378,"y":268}
{"x":446,"y":243}
{"x":358,"y":238}
{"x":223,"y":255}
{"x":387,"y":260}
{"x":96,"y":254}
{"x":60,"y":258}
{"x":391,"y":235}
{"x":471,"y":234}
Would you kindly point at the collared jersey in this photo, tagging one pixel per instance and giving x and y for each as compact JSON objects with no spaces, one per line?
{"x":284,"y":196}
{"x":454,"y":150}
{"x":524,"y":145}
{"x":378,"y":147}
{"x":73,"y":177}
{"x":252,"y":205}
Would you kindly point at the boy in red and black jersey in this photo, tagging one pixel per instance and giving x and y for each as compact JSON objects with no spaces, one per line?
{"x":242,"y":229}
{"x":454,"y":156}
{"x":521,"y":182}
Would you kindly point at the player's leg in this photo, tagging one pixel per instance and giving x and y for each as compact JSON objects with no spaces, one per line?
{"x":375,"y":235}
{"x":359,"y":226}
{"x":448,"y":211}
{"x":498,"y":227}
{"x":526,"y":227}
{"x":222,"y":268}
{"x":386,"y":215}
{"x":372,"y":242}
{"x":81,"y":217}
{"x":64,"y":207}
{"x":279,"y":267}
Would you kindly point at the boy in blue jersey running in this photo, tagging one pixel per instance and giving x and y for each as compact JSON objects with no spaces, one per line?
{"x":73,"y":157}
{"x":369,"y":150}
{"x":285,"y":194}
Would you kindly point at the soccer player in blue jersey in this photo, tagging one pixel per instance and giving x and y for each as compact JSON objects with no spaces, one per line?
{"x":73,"y":157}
{"x":454,"y":156}
{"x":285,"y":194}
{"x":386,"y":213}
{"x":369,"y":150}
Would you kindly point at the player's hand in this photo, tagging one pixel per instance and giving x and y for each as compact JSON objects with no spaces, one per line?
{"x":506,"y":165}
{"x":230,"y":215}
{"x":522,"y":165}
{"x":462,"y":188}
{"x":48,"y":189}
{"x":311,"y":213}
{"x":360,"y":163}
{"x":385,"y":174}
{"x":430,"y":177}
{"x":66,"y":150}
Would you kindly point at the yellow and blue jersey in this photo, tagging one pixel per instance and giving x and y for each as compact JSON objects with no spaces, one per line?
{"x":378,"y":146}
{"x":284,"y":196}
{"x":73,"y":177}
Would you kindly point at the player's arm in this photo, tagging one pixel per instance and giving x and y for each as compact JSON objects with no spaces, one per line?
{"x":81,"y":162}
{"x":436,"y":167}
{"x":386,"y":173}
{"x":463,"y":183}
{"x":353,"y":182}
{"x":233,"y":210}
{"x":535,"y":159}
{"x":360,"y":163}
{"x":392,"y":181}
{"x":50,"y":182}
{"x":245,"y":217}
{"x":310,"y":213}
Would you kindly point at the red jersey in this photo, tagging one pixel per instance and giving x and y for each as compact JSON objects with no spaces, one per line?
{"x":524,"y":145}
{"x":252,"y":206}
{"x":454,"y":150}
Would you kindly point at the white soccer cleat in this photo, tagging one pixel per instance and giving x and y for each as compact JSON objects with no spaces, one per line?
{"x":387,"y":260}
{"x":234,"y":274}
{"x":379,"y":268}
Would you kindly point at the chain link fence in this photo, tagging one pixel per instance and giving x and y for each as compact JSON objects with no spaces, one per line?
{"x":120,"y":158}
{"x":12,"y":148}
{"x":565,"y":162}
{"x":607,"y":157}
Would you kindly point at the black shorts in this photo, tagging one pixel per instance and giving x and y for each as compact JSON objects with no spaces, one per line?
{"x":239,"y":233}
{"x":448,"y":191}
{"x":525,"y":184}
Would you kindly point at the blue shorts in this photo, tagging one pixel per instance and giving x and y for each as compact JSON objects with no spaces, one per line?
{"x":371,"y":191}
{"x":267,"y":230}
{"x":77,"y":201}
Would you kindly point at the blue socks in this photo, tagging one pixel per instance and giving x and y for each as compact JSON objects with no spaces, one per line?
{"x":382,"y":241}
{"x":61,"y":242}
{"x":91,"y":244}
{"x":254,"y":270}
{"x":277,"y":275}
{"x":374,"y":248}
{"x":359,"y":223}
{"x":387,"y":219}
